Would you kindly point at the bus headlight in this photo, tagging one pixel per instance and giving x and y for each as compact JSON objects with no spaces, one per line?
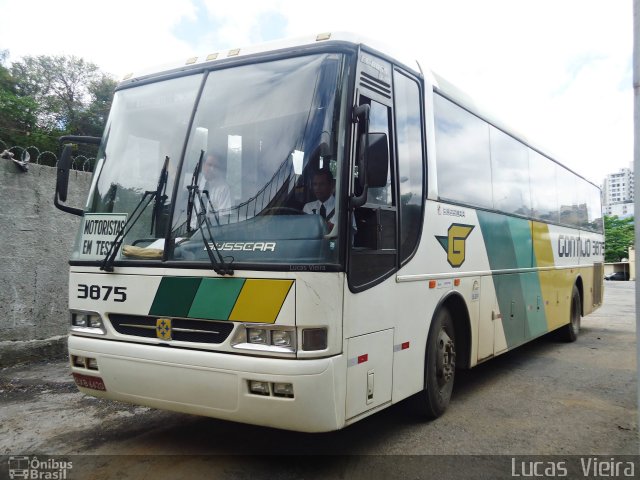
{"x":281,"y":338}
{"x":257,"y":335}
{"x":265,"y":338}
{"x":87,"y":322}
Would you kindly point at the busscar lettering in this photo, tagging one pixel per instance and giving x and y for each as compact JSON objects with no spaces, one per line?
{"x":246,"y":246}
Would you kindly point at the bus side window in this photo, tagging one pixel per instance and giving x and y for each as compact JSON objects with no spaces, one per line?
{"x":410,"y":162}
{"x":374,"y":246}
{"x":378,"y":211}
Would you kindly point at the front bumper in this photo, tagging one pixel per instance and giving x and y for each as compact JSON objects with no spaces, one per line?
{"x":216,"y":384}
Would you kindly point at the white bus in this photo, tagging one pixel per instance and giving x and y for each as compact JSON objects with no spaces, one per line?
{"x":302,"y":234}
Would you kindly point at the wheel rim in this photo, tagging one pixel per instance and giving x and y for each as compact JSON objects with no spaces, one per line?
{"x":446,"y":358}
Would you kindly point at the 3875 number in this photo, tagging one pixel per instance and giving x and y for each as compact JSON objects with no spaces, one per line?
{"x":102,"y":292}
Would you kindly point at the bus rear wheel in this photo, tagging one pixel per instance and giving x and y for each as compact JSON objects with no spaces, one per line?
{"x":569,"y":333}
{"x":440,"y":366}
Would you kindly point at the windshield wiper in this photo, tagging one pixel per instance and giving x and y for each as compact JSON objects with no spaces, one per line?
{"x":161,"y":195}
{"x":215,"y":257}
{"x":149,"y":195}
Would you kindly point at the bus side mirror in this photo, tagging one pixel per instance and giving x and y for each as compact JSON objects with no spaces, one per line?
{"x":64,"y":165}
{"x":377,"y":160}
{"x":62,"y":182}
{"x":361,"y":115}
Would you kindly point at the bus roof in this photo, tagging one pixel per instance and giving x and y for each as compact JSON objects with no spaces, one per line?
{"x":405,"y":58}
{"x":289,"y":44}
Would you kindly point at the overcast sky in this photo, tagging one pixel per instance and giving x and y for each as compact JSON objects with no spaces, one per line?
{"x":559,"y":71}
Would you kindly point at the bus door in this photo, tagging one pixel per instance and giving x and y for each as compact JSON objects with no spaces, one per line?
{"x":378,"y":310}
{"x":370,"y":297}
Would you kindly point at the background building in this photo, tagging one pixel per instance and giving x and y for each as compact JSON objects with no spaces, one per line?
{"x":618,"y":193}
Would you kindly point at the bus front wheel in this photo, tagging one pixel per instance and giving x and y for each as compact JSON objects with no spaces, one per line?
{"x":440,"y":365}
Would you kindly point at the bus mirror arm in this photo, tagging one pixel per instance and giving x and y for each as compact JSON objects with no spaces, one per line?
{"x":361,"y":115}
{"x":80,"y":139}
{"x":62,"y":182}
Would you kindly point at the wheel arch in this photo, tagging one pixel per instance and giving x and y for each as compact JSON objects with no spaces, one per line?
{"x":454,"y":302}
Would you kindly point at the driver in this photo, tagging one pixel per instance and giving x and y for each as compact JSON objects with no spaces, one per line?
{"x":324,"y":205}
{"x":214,"y":182}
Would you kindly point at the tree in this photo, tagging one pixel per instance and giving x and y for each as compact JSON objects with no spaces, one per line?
{"x":93,"y":119}
{"x":44,"y":97}
{"x":59,"y":85}
{"x":619,"y":236}
{"x":16,"y":117}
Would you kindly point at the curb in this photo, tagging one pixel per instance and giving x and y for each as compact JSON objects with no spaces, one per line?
{"x":17,"y":352}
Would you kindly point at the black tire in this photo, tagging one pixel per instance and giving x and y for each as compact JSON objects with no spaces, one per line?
{"x":440,"y":366}
{"x":569,"y":333}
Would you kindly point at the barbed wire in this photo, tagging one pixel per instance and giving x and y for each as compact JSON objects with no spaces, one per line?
{"x":79,"y":162}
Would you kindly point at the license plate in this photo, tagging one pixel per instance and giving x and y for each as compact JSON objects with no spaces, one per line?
{"x":87,"y":381}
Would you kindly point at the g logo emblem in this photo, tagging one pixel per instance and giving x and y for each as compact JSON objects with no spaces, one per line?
{"x":455,"y":243}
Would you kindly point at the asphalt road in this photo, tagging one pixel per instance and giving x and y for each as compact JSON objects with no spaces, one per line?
{"x":545,"y":398}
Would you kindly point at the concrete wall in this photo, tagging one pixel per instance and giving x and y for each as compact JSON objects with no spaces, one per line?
{"x":36,"y":242}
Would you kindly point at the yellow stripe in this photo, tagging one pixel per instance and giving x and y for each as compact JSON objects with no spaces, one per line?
{"x":542,"y":244}
{"x":555,"y":285}
{"x":260,"y":300}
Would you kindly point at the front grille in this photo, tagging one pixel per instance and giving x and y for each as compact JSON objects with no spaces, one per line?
{"x":183,"y":330}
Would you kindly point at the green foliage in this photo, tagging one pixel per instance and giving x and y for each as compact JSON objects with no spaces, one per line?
{"x":619,"y":236}
{"x":44,"y":97}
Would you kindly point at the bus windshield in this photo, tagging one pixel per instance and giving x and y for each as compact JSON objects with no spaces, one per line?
{"x":260,"y":173}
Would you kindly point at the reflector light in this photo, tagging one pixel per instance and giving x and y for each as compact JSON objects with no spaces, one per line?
{"x":77,"y":361}
{"x":432,"y":284}
{"x":405,"y":345}
{"x":456,"y":282}
{"x":259,"y":388}
{"x":314,"y":339}
{"x":283,"y":390}
{"x":363,"y":358}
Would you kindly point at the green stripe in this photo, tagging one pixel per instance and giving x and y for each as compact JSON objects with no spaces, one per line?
{"x":507,"y":239}
{"x":536,"y":323}
{"x":215,"y":298}
{"x":510,"y":246}
{"x":175,"y":296}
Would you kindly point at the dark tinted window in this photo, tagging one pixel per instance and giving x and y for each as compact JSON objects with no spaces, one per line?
{"x":544,"y":194}
{"x":510,"y":174}
{"x":462,"y":150}
{"x":379,"y":123}
{"x":568,"y":194}
{"x":595,"y":208}
{"x":410,"y":166}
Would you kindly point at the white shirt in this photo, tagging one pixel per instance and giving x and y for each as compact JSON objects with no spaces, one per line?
{"x":314,"y":207}
{"x":219,"y":199}
{"x":219,"y":195}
